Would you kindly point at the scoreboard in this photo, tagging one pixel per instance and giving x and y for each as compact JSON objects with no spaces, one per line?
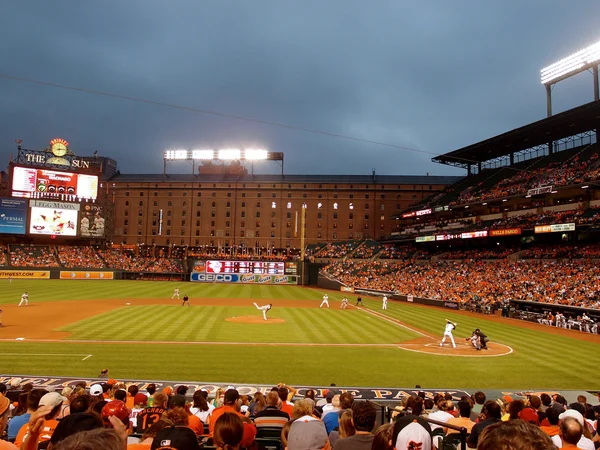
{"x":251,"y":267}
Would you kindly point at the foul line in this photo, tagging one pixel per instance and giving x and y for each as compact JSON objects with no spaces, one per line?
{"x":44,"y":354}
{"x":392,"y":320}
{"x":88,"y":356}
{"x":271,"y":344}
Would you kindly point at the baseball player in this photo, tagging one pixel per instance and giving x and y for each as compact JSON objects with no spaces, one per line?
{"x":175,"y":294}
{"x":185,"y":300}
{"x":10,"y":278}
{"x":24,"y":299}
{"x":264,"y":309}
{"x":560,"y":320}
{"x":344,"y":304}
{"x":325,"y":301}
{"x":384,"y":306}
{"x":483,"y":339}
{"x":359,"y":300}
{"x":448,"y":333}
{"x":475,"y":341}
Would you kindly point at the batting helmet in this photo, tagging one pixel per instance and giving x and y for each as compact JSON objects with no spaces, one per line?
{"x":115,"y":408}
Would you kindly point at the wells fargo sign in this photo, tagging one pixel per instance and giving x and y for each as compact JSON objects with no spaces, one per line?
{"x":505,"y":232}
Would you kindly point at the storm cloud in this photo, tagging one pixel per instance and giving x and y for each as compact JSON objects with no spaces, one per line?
{"x":432,"y":76}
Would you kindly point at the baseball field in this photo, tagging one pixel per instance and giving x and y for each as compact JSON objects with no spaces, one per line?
{"x":134,"y":328}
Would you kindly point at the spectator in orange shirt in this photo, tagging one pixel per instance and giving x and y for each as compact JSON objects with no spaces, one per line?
{"x":51,"y":399}
{"x":178,"y":402}
{"x":231,"y":404}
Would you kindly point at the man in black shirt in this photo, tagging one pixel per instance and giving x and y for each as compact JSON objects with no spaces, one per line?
{"x":185,"y":300}
{"x":359,"y":300}
{"x":492,"y":413}
{"x":483,"y":339}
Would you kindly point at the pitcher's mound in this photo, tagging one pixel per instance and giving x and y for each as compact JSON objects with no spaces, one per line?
{"x":254,"y":319}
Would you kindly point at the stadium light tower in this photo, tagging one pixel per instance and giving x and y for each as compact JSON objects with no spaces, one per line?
{"x":578,"y":62}
{"x":250,"y":155}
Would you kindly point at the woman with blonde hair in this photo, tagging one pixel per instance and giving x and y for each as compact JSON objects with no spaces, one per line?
{"x":259,"y":403}
{"x":345,"y":429}
{"x":219,"y":394}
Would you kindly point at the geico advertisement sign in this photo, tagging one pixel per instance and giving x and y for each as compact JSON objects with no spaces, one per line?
{"x":216,"y":277}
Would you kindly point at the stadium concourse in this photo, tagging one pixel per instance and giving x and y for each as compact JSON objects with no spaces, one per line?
{"x":152,"y":415}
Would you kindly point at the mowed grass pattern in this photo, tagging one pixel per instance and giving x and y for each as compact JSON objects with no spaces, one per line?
{"x":53,"y":290}
{"x":208,"y":324}
{"x":541,"y":359}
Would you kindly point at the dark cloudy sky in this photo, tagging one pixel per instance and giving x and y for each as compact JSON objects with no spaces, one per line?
{"x":432,"y":75}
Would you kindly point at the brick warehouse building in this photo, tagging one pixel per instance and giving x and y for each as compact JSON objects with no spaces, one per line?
{"x":262,"y":211}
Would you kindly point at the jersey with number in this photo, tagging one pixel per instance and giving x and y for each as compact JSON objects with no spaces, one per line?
{"x":148,"y":417}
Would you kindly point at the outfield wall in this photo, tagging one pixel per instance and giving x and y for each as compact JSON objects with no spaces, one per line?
{"x":201,"y":277}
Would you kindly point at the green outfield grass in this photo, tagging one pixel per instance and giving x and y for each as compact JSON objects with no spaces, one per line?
{"x":541,"y":359}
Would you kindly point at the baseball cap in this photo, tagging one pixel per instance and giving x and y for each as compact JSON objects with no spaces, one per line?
{"x":307,"y":435}
{"x":529,"y":415}
{"x":177,"y":400}
{"x":574,"y":414}
{"x":140,"y":398}
{"x":330,"y":395}
{"x":178,"y":438}
{"x":4,"y":404}
{"x":412,"y":432}
{"x":52,"y":399}
{"x":96,"y":389}
{"x":74,"y":423}
{"x":231,"y":395}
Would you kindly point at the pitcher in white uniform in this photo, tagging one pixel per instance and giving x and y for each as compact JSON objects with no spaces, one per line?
{"x":264,"y":309}
{"x":450,"y":326}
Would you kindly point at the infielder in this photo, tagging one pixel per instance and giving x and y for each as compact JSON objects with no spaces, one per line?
{"x":344,"y":304}
{"x":24,"y":299}
{"x":175,"y":294}
{"x":384,"y":306}
{"x":264,"y":309}
{"x":186,"y":299}
{"x":448,"y":333}
{"x":325,"y":301}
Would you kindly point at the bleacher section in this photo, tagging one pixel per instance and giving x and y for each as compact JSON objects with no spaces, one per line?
{"x":32,"y":256}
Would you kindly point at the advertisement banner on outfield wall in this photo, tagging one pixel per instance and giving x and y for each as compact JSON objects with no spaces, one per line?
{"x":13,"y":216}
{"x":346,"y":288}
{"x":243,"y":278}
{"x":41,"y":274}
{"x":80,"y":275}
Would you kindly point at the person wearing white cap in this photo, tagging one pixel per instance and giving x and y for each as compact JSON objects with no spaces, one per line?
{"x":96,"y":389}
{"x":51,"y":399}
{"x":584,"y":442}
{"x":450,"y":326}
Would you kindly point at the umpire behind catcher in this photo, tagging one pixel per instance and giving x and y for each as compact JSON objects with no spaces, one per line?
{"x":483,"y":339}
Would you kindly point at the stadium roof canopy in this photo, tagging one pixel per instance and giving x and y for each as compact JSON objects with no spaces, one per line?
{"x":560,"y":126}
{"x":323,"y":179}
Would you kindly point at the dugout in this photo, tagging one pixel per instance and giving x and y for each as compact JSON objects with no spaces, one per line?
{"x":525,"y":310}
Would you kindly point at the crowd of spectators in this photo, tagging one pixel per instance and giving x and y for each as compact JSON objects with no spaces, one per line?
{"x":390,"y":251}
{"x":336,"y":249}
{"x":32,"y":256}
{"x":497,"y":252}
{"x":590,"y":251}
{"x":565,"y":282}
{"x":79,"y":257}
{"x":115,"y":416}
{"x":122,"y":261}
{"x":578,"y":169}
{"x":367,"y":249}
